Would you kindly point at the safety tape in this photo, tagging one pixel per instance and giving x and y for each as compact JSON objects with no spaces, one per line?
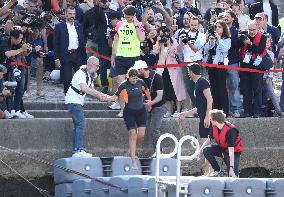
{"x":201,"y":64}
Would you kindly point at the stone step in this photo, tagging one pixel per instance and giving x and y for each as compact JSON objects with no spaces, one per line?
{"x":61,"y":106}
{"x":66,"y":114}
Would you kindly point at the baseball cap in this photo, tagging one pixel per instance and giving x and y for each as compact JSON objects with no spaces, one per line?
{"x":195,"y":68}
{"x":3,"y":69}
{"x":139,"y":64}
{"x":260,"y":15}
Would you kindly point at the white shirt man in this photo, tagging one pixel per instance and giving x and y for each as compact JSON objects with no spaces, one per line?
{"x":192,"y":50}
{"x":73,"y":36}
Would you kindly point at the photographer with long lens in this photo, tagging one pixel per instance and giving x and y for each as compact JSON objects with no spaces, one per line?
{"x":13,"y":54}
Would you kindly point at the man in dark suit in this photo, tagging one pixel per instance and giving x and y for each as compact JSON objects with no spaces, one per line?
{"x":69,"y":47}
{"x":261,"y":6}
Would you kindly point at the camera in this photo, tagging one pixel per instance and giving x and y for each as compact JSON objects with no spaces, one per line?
{"x":16,"y":74}
{"x":143,"y":45}
{"x":211,"y":30}
{"x":184,"y":38}
{"x":147,"y":3}
{"x":164,"y":38}
{"x":30,"y":20}
{"x":243,"y":35}
{"x":110,"y":32}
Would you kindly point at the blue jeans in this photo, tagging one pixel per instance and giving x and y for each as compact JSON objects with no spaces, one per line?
{"x":268,"y":92}
{"x":19,"y":91}
{"x":214,"y":150}
{"x":234,"y":91}
{"x":78,"y":118}
{"x":154,"y":123}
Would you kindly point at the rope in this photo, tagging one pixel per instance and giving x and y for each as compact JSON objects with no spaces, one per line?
{"x":41,"y":191}
{"x":63,"y":168}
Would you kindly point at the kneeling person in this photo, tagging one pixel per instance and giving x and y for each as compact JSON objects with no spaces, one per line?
{"x":229,"y":144}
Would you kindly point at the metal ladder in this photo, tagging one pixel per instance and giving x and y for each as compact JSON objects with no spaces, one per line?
{"x":176,"y":151}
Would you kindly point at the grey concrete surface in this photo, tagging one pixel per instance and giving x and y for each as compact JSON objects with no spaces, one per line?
{"x":50,"y":139}
{"x":66,"y":114}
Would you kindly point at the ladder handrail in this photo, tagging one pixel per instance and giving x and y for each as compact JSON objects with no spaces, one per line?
{"x":180,"y":157}
{"x":177,"y":150}
{"x":160,"y":155}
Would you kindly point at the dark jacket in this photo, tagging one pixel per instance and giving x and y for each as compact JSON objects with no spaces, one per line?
{"x":233,"y":53}
{"x":61,"y":41}
{"x":95,"y":24}
{"x":258,"y":7}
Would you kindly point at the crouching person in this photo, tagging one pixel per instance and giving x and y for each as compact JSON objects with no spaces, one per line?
{"x":229,"y":144}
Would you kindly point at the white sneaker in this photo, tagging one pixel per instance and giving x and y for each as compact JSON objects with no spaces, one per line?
{"x":29,"y":116}
{"x":114,"y":106}
{"x":82,"y":153}
{"x":8,"y":115}
{"x":154,"y":155}
{"x":214,"y":174}
{"x":175,"y":115}
{"x":19,"y":115}
{"x":236,"y":114}
{"x":167,"y":115}
{"x":184,"y":109}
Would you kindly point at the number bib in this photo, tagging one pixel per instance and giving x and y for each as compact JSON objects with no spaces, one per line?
{"x":128,"y":41}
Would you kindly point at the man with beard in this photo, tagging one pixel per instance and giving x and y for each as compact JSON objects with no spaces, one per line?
{"x":69,"y":47}
{"x":82,"y":84}
{"x":191,"y":42}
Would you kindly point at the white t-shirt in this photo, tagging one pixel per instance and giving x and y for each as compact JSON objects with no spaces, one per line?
{"x":78,"y":78}
{"x":188,"y":54}
{"x":267,"y":9}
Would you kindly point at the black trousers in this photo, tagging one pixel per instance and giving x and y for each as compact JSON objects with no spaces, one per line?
{"x":217,"y":77}
{"x":72,"y":61}
{"x":252,"y":92}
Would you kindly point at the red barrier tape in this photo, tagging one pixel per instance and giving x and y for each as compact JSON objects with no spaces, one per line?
{"x":201,"y":64}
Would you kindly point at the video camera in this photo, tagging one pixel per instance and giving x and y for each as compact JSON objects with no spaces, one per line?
{"x":165,"y":36}
{"x":30,"y":20}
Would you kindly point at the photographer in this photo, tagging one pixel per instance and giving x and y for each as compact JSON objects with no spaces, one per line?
{"x":191,"y":42}
{"x":252,"y":52}
{"x":218,"y":46}
{"x":174,"y":88}
{"x":13,"y":54}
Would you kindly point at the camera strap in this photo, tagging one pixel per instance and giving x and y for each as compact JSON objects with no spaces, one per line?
{"x":21,"y":64}
{"x":87,"y":81}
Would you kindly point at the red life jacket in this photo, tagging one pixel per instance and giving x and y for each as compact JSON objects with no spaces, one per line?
{"x":256,"y":42}
{"x":221,"y":140}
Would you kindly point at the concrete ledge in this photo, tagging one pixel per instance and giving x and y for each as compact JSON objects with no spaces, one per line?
{"x":50,"y":139}
{"x":66,"y":114}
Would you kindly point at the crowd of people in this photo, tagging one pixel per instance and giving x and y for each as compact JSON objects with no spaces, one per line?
{"x":38,"y":37}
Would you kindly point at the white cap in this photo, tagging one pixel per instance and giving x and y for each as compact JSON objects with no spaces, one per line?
{"x":140,"y":64}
